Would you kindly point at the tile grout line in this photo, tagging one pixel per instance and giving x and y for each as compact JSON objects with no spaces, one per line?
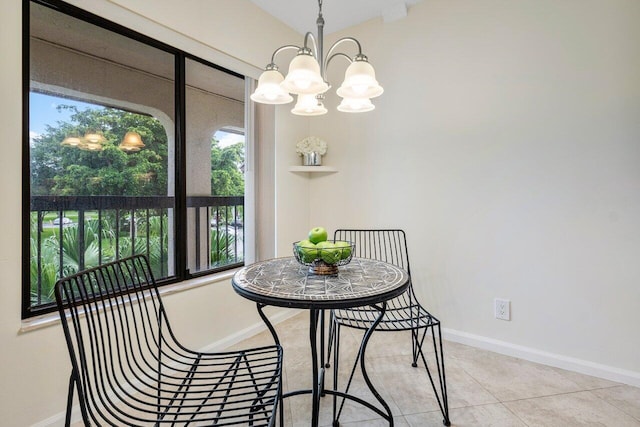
{"x":613,"y":405}
{"x":514,"y":414}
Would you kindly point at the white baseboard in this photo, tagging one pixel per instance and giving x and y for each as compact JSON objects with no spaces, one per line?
{"x":534,"y":355}
{"x":57,"y":420}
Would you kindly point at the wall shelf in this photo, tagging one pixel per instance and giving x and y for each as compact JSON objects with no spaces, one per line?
{"x":325,"y":169}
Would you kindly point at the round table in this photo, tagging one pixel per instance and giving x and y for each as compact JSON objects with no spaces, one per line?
{"x":284,"y":282}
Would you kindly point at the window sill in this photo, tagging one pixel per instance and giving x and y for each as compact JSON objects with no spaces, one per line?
{"x":50,"y":319}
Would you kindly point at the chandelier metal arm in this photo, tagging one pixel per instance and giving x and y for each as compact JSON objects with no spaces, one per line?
{"x":308,"y":36}
{"x":277,"y":51}
{"x":335,"y":45}
{"x":330,"y":58}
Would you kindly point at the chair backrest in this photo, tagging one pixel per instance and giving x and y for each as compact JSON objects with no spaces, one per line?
{"x":115,"y":327}
{"x":383,"y":245}
{"x":388,"y":245}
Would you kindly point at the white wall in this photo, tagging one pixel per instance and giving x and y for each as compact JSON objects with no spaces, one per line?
{"x":34,"y":366}
{"x":507,"y":145}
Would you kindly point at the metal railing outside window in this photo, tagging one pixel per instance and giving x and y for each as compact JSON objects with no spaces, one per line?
{"x":73,"y":233}
{"x":223,"y":245}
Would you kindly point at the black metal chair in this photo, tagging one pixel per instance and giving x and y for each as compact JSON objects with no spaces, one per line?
{"x":129,"y":370}
{"x":403,"y":313}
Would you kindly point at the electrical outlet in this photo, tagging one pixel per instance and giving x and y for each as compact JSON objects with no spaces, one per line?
{"x":502,"y":309}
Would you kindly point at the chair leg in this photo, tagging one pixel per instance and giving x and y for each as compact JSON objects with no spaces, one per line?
{"x":67,"y":420}
{"x":415,"y":345}
{"x":330,"y":338}
{"x":441,"y":394}
{"x":281,"y":407}
{"x":335,"y":335}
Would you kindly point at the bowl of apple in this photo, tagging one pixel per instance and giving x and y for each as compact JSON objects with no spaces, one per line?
{"x":321,"y":255}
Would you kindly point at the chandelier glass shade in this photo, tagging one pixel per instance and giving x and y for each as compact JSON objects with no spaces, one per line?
{"x":360,"y":81}
{"x":356,"y":105}
{"x":269,"y":90}
{"x":309,"y":105}
{"x":306,"y":77}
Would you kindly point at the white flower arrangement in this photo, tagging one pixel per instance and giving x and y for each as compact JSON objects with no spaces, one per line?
{"x":311,"y":144}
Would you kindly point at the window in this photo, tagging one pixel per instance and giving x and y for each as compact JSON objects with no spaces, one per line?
{"x":215,"y":154}
{"x":108,"y":170}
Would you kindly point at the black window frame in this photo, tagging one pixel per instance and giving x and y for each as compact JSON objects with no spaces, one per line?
{"x":180,"y":216}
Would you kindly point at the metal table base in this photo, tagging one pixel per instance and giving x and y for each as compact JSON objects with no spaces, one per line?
{"x":318,"y":389}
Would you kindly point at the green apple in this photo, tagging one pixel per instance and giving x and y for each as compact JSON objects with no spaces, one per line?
{"x":307,"y":250}
{"x":317,"y":235}
{"x":328,"y":252}
{"x":345,"y":249}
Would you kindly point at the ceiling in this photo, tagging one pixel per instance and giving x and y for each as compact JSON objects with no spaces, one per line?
{"x":338,"y":14}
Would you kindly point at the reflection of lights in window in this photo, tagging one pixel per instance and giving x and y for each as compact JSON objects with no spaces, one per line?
{"x":72,"y":141}
{"x":94,"y":141}
{"x":131,"y":142}
{"x":93,"y":137}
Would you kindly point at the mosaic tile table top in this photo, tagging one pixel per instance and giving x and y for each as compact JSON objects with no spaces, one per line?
{"x":285,"y":282}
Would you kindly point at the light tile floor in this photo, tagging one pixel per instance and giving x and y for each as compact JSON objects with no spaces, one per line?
{"x":485,"y":388}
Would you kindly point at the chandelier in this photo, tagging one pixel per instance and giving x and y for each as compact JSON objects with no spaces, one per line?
{"x":307,"y":77}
